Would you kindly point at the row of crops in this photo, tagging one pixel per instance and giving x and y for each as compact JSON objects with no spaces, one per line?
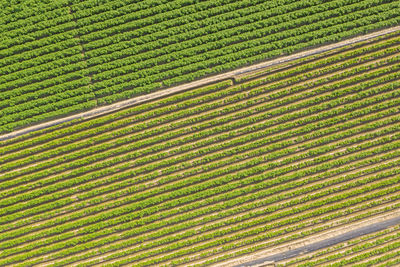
{"x":378,"y":249}
{"x":211,"y":173}
{"x":68,"y":56}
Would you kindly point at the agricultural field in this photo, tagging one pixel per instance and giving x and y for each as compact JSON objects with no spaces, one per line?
{"x":378,"y":249}
{"x":211,"y":173}
{"x":62,"y":57}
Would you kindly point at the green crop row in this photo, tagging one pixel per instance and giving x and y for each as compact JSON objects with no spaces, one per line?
{"x":243,"y":87}
{"x":122,"y":185}
{"x":99,"y":233}
{"x":222,"y":232}
{"x":138,"y":52}
{"x":332,"y":59}
{"x":343,"y":134}
{"x":257,"y":91}
{"x":213,"y":172}
{"x":220,"y":214}
{"x":344,"y":249}
{"x":52,"y":21}
{"x":325,"y":58}
{"x":314,"y":229}
{"x":386,"y":250}
{"x":306,"y":103}
{"x":96,"y":126}
{"x":195,"y":61}
{"x":307,"y":154}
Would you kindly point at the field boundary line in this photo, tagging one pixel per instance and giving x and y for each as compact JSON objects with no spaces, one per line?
{"x":301,"y":247}
{"x":198,"y":83}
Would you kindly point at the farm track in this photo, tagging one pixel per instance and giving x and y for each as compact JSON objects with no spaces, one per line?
{"x":103,"y":256}
{"x":371,"y":244}
{"x":370,"y":45}
{"x":206,"y":121}
{"x":239,"y":136}
{"x":150,"y":187}
{"x":332,"y":253}
{"x":180,"y":88}
{"x":309,"y":246}
{"x":213,"y":172}
{"x":281,"y":203}
{"x":309,"y":222}
{"x":309,"y":81}
{"x":291,"y":65}
{"x":315,"y":225}
{"x":92,"y":148}
{"x":60,"y":140}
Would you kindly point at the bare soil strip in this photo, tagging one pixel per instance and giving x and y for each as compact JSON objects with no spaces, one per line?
{"x":209,"y":80}
{"x":326,"y":240}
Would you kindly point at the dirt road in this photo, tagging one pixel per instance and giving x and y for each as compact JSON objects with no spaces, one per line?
{"x":220,"y":77}
{"x":368,"y":229}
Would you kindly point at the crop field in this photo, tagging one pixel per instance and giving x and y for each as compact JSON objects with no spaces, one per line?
{"x":65,"y":56}
{"x":378,"y":249}
{"x":211,"y":173}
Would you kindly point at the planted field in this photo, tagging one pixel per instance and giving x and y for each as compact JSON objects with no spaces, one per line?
{"x":211,"y":173}
{"x":68,"y":56}
{"x":378,"y":249}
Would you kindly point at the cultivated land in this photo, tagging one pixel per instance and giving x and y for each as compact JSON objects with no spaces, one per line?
{"x":236,"y":75}
{"x":65,"y":56}
{"x":377,"y":249}
{"x":293,"y":252}
{"x":212,"y":173}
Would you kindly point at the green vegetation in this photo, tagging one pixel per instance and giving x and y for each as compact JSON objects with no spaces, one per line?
{"x":211,"y":173}
{"x":378,"y":249}
{"x":61,"y":57}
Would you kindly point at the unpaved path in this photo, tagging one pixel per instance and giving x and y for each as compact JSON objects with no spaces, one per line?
{"x":213,"y":79}
{"x":331,"y":241}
